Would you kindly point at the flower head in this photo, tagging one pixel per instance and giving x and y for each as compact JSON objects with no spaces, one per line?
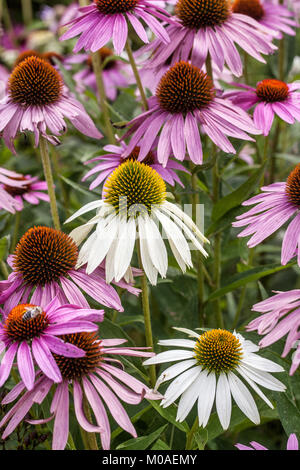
{"x":90,"y":377}
{"x":108,"y":19}
{"x":274,"y":206}
{"x":33,"y":333}
{"x":270,"y":97}
{"x":135,"y":199}
{"x":44,"y":265}
{"x":211,"y":28}
{"x":109,"y":162}
{"x":275,"y":17}
{"x":207,"y":370}
{"x":292,"y":444}
{"x":185,"y":99}
{"x":10,"y":179}
{"x":30,"y":190}
{"x":280,"y":317}
{"x":36,"y":100}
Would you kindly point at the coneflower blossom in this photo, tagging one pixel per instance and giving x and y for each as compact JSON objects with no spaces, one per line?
{"x":33,"y":334}
{"x":103,"y":385}
{"x":112,"y":75}
{"x":211,"y":28}
{"x":292,"y":444}
{"x":206,"y":371}
{"x":275,"y":17}
{"x":44,"y":266}
{"x":37,"y":100}
{"x":7,"y":201}
{"x":30,"y":191}
{"x":271,"y":97}
{"x":274,"y":206}
{"x":104,"y":20}
{"x":280,"y":317}
{"x":186,"y":99}
{"x":135,"y":201}
{"x":110,"y":161}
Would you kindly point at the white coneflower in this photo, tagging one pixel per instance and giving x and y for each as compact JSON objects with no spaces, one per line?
{"x":206,"y":371}
{"x":135,"y":201}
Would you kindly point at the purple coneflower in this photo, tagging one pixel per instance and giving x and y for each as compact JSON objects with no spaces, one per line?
{"x":273,"y":207}
{"x":111,"y":161}
{"x":92,"y":378}
{"x":37,"y":100}
{"x":292,"y":444}
{"x":44,"y":266}
{"x":7,"y":201}
{"x":211,"y":28}
{"x":107,"y":19}
{"x":30,"y":191}
{"x":276,"y":17}
{"x":33,"y":333}
{"x":270,"y":97}
{"x":186,"y":98}
{"x":281,"y":317}
{"x":112,"y":75}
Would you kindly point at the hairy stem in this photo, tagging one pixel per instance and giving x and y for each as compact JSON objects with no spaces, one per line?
{"x":136,"y":75}
{"x":49,"y":179}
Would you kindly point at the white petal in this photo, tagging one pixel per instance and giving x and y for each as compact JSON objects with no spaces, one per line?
{"x":206,"y":397}
{"x":263,"y":378}
{"x":110,"y":262}
{"x":174,"y":370}
{"x":175,"y":236}
{"x":88,"y":207}
{"x":156,"y":246}
{"x":81,"y":232}
{"x":169,"y":356}
{"x":105,"y":237}
{"x":191,"y":333}
{"x":187,"y":220}
{"x":125,"y":247}
{"x":149,"y":268}
{"x":179,"y":385}
{"x":189,"y":398}
{"x":185,"y":343}
{"x":261,"y":363}
{"x":243,"y":398}
{"x":254,"y":386}
{"x":223,"y":401}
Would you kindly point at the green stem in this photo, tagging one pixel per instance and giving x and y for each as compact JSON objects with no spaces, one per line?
{"x":198,"y":263}
{"x":56,"y":168}
{"x":7,"y":20}
{"x":281,"y":59}
{"x":217,"y":247}
{"x":243,"y":293}
{"x":190,"y":435}
{"x":273,"y":153}
{"x":49,"y":179}
{"x":96,"y":60}
{"x":27,"y":12}
{"x":208,"y":66}
{"x":89,"y":438}
{"x":136,"y":75}
{"x":265,"y":158}
{"x":16,"y":231}
{"x":147,"y":317}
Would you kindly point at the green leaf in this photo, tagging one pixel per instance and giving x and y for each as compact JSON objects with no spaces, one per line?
{"x":288,"y":412}
{"x":170,"y":415}
{"x":235,"y":198}
{"x":129,"y":319}
{"x":4,"y":246}
{"x":79,"y":187}
{"x":201,"y":438}
{"x":160,"y":445}
{"x":245,"y":277}
{"x":142,"y":443}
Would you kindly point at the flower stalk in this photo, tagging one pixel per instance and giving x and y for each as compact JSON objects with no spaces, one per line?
{"x":136,"y":75}
{"x":50,"y":183}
